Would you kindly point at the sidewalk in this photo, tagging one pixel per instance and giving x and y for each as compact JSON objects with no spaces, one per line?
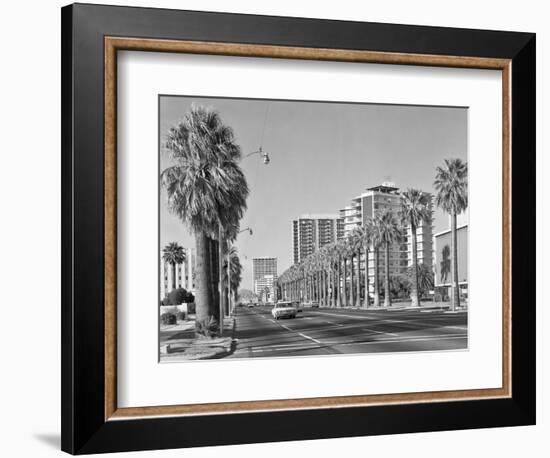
{"x":399,"y":306}
{"x":191,"y":348}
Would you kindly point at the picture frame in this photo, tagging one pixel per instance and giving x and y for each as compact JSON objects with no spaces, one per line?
{"x":91,"y":37}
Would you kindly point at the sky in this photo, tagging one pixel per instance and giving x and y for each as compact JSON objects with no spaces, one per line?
{"x":322,"y":155}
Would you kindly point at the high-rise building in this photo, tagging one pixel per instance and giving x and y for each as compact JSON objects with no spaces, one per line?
{"x":264,"y":275}
{"x":184,"y":274}
{"x":372,"y":203}
{"x":312,"y":232}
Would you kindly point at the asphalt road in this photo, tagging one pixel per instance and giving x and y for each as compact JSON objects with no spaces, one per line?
{"x":340,"y":331}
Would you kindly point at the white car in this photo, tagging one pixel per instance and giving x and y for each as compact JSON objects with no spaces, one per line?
{"x":283,"y":309}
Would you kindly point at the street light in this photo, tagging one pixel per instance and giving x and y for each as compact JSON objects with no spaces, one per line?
{"x":262,"y":153}
{"x":229,"y":271}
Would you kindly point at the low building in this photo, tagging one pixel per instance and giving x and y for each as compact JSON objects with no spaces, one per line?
{"x":443,"y":257}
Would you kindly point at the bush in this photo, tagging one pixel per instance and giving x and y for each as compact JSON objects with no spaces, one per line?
{"x":181,"y":316}
{"x":168,"y":318}
{"x":178,"y":296}
{"x":207,"y":327}
{"x":191,"y":308}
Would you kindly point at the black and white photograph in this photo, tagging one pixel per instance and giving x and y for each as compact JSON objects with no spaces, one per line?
{"x":292,"y":228}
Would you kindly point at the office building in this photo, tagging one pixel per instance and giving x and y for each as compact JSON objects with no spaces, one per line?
{"x":264,"y":274}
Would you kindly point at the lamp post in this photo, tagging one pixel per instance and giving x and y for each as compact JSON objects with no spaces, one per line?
{"x":266,"y":160}
{"x":262,"y":153}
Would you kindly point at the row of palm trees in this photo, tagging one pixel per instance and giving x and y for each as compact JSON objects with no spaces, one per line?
{"x":323,"y":276}
{"x":207,"y":189}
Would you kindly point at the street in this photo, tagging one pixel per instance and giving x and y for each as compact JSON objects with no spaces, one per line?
{"x":340,"y":331}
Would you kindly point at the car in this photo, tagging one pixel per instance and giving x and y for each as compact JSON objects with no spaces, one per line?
{"x":298,"y":307}
{"x":250,"y":304}
{"x":283,"y":309}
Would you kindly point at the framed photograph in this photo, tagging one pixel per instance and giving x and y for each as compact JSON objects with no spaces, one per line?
{"x":283,"y":228}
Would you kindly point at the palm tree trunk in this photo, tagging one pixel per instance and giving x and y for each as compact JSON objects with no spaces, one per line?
{"x":387,"y":298}
{"x":203,"y":297}
{"x":339,"y":282}
{"x":173,"y":276}
{"x":229,"y":310}
{"x":344,"y":283}
{"x":358,"y":282}
{"x":221,"y":242}
{"x":455,"y":298}
{"x":351,"y":290}
{"x":333,"y":287}
{"x":414,"y":286}
{"x":376,"y":278}
{"x":367,"y":296}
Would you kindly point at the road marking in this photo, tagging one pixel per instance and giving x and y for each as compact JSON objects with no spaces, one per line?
{"x":360,"y":317}
{"x":400,"y":339}
{"x":310,"y":338}
{"x":462,"y":328}
{"x":334,"y":324}
{"x":379,"y":332}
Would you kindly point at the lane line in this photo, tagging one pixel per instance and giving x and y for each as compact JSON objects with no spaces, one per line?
{"x":310,"y":338}
{"x":380,"y":332}
{"x":401,"y":339}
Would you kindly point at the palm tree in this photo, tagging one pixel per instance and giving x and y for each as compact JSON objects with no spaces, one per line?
{"x":356,"y":244}
{"x":207,"y":190}
{"x":173,"y":254}
{"x":367,"y":235}
{"x":451,"y":185}
{"x":390,"y":232}
{"x":415,"y":210}
{"x":232,"y":269}
{"x":376,"y":244}
{"x":339,"y":251}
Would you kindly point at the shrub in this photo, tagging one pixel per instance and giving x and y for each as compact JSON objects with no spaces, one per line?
{"x":191,"y":308}
{"x":207,"y":327}
{"x":181,"y":316}
{"x":168,"y":318}
{"x":178,"y":296}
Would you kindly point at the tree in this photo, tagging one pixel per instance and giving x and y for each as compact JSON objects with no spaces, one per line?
{"x":451,"y":185}
{"x":390,"y":232}
{"x":415,"y":210}
{"x":207,"y":190}
{"x":376,"y":243}
{"x":367,"y":236}
{"x":178,"y":296}
{"x":173,"y":254}
{"x":356,"y":243}
{"x":425,"y":278}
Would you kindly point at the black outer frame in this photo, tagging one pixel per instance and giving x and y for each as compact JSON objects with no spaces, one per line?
{"x":84,"y":429}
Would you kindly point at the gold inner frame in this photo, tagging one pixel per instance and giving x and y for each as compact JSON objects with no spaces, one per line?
{"x":114,"y":44}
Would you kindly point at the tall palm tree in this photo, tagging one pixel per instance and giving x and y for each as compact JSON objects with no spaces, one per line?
{"x":173,"y":254}
{"x":367,"y":232}
{"x":376,"y":244}
{"x":415,"y":210}
{"x":338,"y":252}
{"x":390,"y":232}
{"x":451,"y":185}
{"x":207,"y":190}
{"x":356,"y":244}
